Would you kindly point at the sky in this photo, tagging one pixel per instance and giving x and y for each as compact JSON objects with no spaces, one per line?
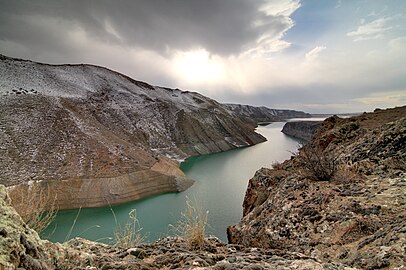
{"x":319,"y":56}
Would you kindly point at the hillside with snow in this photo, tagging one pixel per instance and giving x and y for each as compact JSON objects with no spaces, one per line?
{"x":85,"y":124}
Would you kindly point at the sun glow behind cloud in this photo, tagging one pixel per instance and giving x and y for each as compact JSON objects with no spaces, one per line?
{"x":197,"y":66}
{"x":313,"y":55}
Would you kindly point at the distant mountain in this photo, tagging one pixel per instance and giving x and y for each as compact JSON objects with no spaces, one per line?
{"x":263,"y":114}
{"x":96,"y":137}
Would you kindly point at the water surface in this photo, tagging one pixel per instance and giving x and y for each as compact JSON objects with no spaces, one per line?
{"x":221,"y":181}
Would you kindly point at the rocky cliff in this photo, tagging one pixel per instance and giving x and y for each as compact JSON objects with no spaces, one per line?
{"x":94,"y":136}
{"x":21,"y":248}
{"x":358,"y":217}
{"x":302,"y":130}
{"x":263,"y":114}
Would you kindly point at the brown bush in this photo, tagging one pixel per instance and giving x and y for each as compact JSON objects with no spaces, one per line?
{"x":277,"y":165}
{"x":318,"y":164}
{"x":345,"y":174}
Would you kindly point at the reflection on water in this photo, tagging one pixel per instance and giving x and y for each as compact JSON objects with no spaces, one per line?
{"x":221,"y":181}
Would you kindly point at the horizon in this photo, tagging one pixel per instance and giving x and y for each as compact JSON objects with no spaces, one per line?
{"x":320,"y":57}
{"x":185,"y":90}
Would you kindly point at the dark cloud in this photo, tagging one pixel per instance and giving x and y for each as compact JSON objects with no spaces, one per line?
{"x":259,"y":61}
{"x":223,"y":27}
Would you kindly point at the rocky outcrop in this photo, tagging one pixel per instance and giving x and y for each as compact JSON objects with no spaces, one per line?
{"x":174,"y":253}
{"x":93,"y":135}
{"x":358,"y":218}
{"x":21,"y":248}
{"x":263,"y":114}
{"x":302,"y":130}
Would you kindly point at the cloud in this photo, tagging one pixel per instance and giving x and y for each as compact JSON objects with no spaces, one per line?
{"x":371,"y":30}
{"x":397,"y":44}
{"x":273,"y":24}
{"x":263,"y":52}
{"x":280,"y":7}
{"x":156,"y":41}
{"x":391,"y":98}
{"x":314,"y":53}
{"x":221,"y":27}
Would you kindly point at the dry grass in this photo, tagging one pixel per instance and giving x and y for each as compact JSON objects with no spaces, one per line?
{"x":129,"y":235}
{"x":345,"y":174}
{"x":68,"y":236}
{"x":193,"y":224}
{"x":36,"y":205}
{"x":395,"y":163}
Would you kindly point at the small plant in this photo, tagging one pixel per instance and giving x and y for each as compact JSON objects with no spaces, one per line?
{"x":359,"y":228}
{"x":318,"y":164}
{"x":35,"y":204}
{"x":129,"y":235}
{"x":276,"y":165}
{"x":345,"y":174}
{"x":395,"y":163}
{"x":192,"y":226}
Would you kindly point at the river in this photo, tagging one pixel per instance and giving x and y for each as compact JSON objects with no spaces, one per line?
{"x":221,"y":181}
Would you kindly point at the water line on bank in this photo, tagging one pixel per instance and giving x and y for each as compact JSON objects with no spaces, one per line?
{"x":221,"y":182}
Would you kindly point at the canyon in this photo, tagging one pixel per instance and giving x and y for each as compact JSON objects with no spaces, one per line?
{"x":92,"y":136}
{"x":355,"y":220}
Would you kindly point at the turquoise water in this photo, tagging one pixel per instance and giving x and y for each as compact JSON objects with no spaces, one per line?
{"x":221,"y":181}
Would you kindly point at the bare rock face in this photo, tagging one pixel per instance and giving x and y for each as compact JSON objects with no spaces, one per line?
{"x":303,"y":130}
{"x":358,"y":218}
{"x":263,"y":114}
{"x":94,"y":136}
{"x":20,"y":246}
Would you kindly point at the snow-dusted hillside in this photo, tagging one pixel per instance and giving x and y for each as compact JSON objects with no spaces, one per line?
{"x":64,"y":122}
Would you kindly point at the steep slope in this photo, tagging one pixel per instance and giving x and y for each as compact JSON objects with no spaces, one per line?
{"x":357,"y":218}
{"x":263,"y":114}
{"x":302,"y":130}
{"x":94,"y":136}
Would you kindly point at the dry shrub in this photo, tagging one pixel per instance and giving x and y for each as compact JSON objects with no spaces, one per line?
{"x":129,"y":235}
{"x":318,"y":164}
{"x":35,"y":204}
{"x":192,"y":226}
{"x":346,"y":175}
{"x":359,"y":228}
{"x":277,"y":165}
{"x":395,"y":163}
{"x":364,"y":167}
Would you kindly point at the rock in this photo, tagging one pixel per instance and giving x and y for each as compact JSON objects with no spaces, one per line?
{"x":21,"y":247}
{"x":263,"y":115}
{"x":303,"y":130}
{"x":358,"y":218}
